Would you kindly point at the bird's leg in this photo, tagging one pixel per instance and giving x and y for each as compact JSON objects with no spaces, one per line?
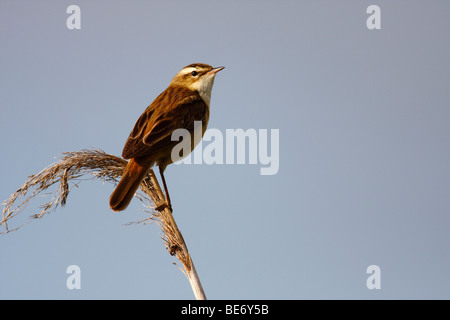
{"x":166,"y":190}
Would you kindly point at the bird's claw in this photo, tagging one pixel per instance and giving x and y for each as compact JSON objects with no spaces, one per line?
{"x":164,"y":205}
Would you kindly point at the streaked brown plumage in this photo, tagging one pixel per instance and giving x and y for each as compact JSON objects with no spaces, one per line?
{"x":185,"y":100}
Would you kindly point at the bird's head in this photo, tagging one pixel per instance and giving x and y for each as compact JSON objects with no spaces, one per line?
{"x":197,"y":77}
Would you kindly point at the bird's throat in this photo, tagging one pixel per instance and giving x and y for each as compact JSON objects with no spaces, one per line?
{"x":204,"y":88}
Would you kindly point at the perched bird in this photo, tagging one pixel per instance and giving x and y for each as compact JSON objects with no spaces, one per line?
{"x":185,"y":100}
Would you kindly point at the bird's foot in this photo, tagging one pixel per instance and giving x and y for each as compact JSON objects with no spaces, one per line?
{"x":164,"y":205}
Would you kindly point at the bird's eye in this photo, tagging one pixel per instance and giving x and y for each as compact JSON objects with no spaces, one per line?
{"x":194,"y":73}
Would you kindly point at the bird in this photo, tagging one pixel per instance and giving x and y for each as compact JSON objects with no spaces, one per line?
{"x":186,"y":99}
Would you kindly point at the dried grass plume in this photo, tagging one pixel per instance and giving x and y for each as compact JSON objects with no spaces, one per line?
{"x":96,"y":164}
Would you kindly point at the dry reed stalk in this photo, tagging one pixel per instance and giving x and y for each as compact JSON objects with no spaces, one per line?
{"x":100,"y":165}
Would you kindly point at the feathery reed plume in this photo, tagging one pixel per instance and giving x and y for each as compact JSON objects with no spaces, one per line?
{"x":100,"y":165}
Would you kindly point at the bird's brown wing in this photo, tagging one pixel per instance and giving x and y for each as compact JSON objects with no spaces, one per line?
{"x":134,"y":144}
{"x":152,"y":131}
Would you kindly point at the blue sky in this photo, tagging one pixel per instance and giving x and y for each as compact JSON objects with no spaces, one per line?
{"x":363,"y":120}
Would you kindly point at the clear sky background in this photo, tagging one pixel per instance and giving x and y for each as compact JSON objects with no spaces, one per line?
{"x":364,"y":122}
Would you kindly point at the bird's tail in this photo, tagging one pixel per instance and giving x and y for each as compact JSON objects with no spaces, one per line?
{"x":132,"y":176}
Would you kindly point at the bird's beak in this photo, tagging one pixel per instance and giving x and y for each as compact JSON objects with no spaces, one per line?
{"x":215,"y":70}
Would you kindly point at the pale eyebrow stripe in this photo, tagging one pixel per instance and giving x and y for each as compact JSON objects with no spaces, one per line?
{"x":187,"y":70}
